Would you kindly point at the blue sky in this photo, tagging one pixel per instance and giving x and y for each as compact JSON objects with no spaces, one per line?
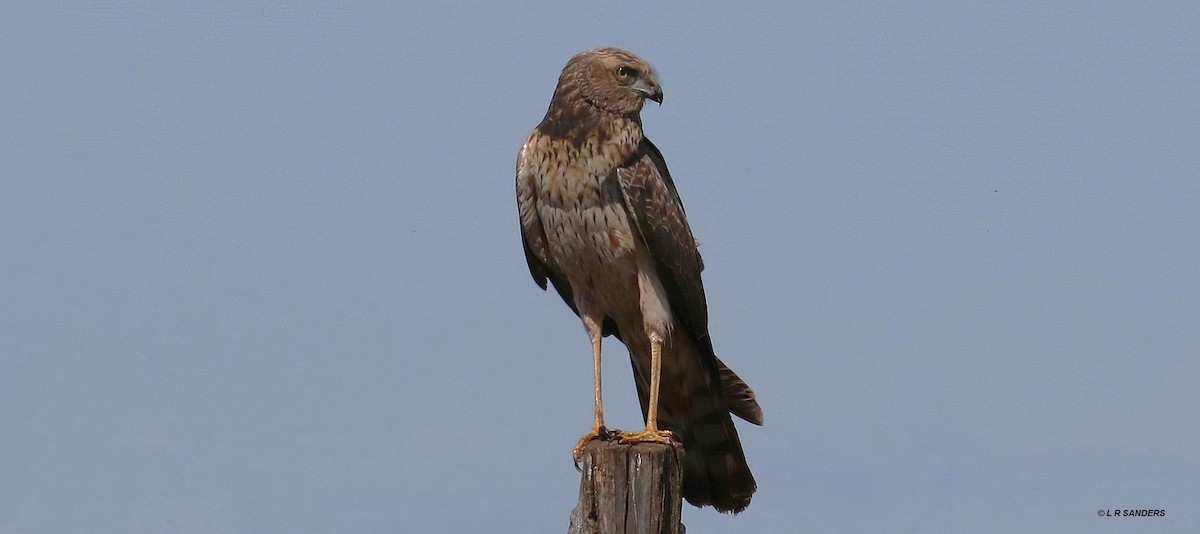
{"x":261,"y":269}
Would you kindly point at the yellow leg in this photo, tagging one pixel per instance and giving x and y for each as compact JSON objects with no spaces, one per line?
{"x":598,"y":422}
{"x":652,"y":433}
{"x":655,"y":383}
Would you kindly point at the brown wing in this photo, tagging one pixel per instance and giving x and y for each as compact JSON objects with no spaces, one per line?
{"x":533,"y":235}
{"x":656,"y":209}
{"x":699,"y":391}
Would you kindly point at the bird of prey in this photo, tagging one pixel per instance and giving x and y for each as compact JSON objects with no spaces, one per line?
{"x":602,"y":221}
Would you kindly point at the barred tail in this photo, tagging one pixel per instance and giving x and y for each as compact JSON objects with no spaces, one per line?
{"x":695,"y":402}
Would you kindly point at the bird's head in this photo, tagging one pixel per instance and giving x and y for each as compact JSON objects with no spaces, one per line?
{"x":614,"y":80}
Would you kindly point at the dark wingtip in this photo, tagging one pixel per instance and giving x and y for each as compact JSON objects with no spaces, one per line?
{"x":738,"y":395}
{"x":753,"y":416}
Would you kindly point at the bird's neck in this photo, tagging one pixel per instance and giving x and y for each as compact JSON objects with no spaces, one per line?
{"x":579,"y":122}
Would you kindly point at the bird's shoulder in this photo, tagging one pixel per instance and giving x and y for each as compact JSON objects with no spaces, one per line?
{"x":658,"y":209}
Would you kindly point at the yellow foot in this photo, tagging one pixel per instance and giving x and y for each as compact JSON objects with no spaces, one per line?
{"x":645,"y":436}
{"x":596,"y":433}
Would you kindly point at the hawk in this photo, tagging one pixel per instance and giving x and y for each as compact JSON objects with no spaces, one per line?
{"x":602,"y":221}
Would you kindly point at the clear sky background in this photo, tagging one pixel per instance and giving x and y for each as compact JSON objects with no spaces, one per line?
{"x":260,"y":268}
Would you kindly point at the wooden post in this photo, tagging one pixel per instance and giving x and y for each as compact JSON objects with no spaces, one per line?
{"x":629,"y":489}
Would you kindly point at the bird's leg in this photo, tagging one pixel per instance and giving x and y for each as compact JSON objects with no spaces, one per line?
{"x":651,"y":433}
{"x":597,"y":431}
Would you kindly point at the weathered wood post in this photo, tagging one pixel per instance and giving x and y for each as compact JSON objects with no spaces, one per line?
{"x":629,"y":489}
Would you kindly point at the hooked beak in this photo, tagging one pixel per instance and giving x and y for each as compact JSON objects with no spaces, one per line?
{"x":649,"y":89}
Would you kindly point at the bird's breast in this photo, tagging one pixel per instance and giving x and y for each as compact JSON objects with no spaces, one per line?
{"x":583,"y":213}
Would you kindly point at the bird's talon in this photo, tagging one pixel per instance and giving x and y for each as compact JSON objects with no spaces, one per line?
{"x":647,"y":436}
{"x":596,"y":433}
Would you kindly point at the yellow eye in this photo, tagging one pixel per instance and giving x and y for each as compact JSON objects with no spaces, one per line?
{"x":625,"y":73}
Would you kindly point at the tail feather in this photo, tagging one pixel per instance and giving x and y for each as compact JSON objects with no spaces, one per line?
{"x":714,"y":468}
{"x":695,"y":403}
{"x":739,"y":396}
